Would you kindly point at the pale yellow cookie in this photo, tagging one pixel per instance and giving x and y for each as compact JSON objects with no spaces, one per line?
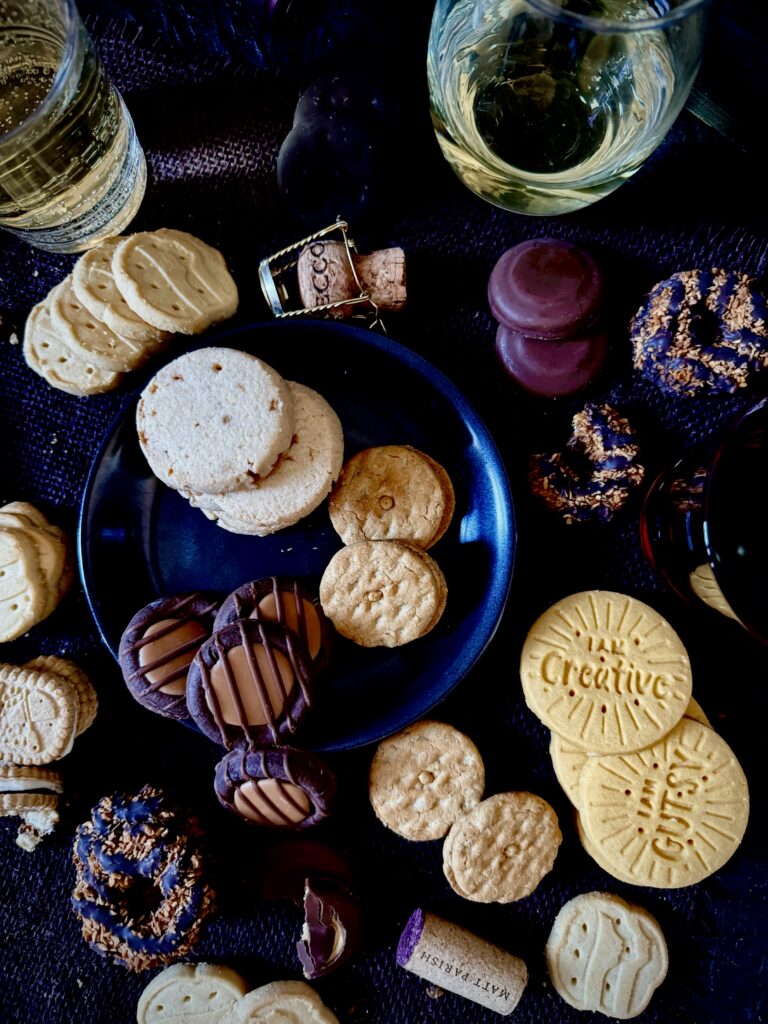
{"x":383,"y":593}
{"x":50,"y":357}
{"x":94,"y":285}
{"x":393,"y":492}
{"x":191,"y":994}
{"x":605,"y":672}
{"x":424,"y":779}
{"x":23,"y":779}
{"x":606,"y":955}
{"x":38,"y":716}
{"x":594,"y":852}
{"x":91,"y":340}
{"x":23,"y":595}
{"x":52,"y":556}
{"x":707,"y":589}
{"x":88,"y":701}
{"x":501,"y":850}
{"x":282,"y":1002}
{"x":670,"y":815}
{"x":174,"y":281}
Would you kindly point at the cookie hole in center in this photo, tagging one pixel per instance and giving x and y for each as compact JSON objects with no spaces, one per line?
{"x":607,"y":986}
{"x":655,"y":764}
{"x":705,"y":778}
{"x":640,"y":831}
{"x":584,"y":928}
{"x":102,"y":287}
{"x":212,"y":995}
{"x":636,"y":703}
{"x":689,"y":842}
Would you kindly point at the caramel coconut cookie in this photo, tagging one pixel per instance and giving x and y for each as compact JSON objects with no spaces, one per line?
{"x":383,"y":593}
{"x":424,"y":779}
{"x":394,"y":492}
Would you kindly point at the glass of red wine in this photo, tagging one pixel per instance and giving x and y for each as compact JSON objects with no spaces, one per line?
{"x":703,"y":525}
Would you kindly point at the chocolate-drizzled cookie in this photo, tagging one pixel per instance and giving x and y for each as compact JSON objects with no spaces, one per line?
{"x":250,"y":684}
{"x":282,"y":599}
{"x":158,"y":646}
{"x":277,"y":787}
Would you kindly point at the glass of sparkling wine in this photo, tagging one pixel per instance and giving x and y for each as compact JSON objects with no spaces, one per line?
{"x":545,"y":106}
{"x":72,"y":171}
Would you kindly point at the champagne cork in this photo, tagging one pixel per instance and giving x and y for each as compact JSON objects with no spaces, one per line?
{"x":325,"y":275}
{"x":457,"y":960}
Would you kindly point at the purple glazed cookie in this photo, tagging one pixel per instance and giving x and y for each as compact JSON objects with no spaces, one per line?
{"x":158,"y":646}
{"x":277,"y":787}
{"x":551,"y":368}
{"x":701,"y":331}
{"x":284,"y":600}
{"x":546,"y":288}
{"x":250,"y":683}
{"x":595,"y":475}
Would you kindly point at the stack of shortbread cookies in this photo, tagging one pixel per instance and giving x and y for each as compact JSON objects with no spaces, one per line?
{"x":35,"y":568}
{"x":255,"y":452}
{"x":121,"y":304}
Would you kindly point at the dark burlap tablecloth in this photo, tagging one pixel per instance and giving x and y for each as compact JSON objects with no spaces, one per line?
{"x":211,"y":135}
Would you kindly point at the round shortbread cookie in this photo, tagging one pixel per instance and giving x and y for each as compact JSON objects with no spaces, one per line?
{"x":424,"y":779}
{"x":38,"y":716}
{"x":282,"y":1002}
{"x":88,"y":337}
{"x":594,"y":852}
{"x":52,"y":556}
{"x":605,"y":672}
{"x":606,"y":955}
{"x":382,"y":593}
{"x":670,"y":815}
{"x":501,"y":850}
{"x":190,"y":992}
{"x":301,"y":479}
{"x":27,"y":515}
{"x":88,"y":701}
{"x":94,"y":285}
{"x":23,"y":595}
{"x":49,"y":356}
{"x":213,"y":420}
{"x":393,"y":492}
{"x":174,"y":281}
{"x":27,"y":779}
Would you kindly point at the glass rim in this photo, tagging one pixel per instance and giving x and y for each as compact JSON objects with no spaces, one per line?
{"x":595,"y":23}
{"x":62,"y":71}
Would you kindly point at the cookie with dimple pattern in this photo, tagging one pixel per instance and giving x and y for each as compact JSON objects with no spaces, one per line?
{"x":702,"y":331}
{"x":424,"y":779}
{"x":606,"y":955}
{"x":214,"y":420}
{"x":501,"y":850}
{"x":282,"y":1002}
{"x":189,"y":993}
{"x":46,"y":352}
{"x":174,"y":281}
{"x":383,"y":593}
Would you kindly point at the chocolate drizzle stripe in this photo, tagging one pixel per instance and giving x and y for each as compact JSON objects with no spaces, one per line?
{"x":297,"y":670}
{"x":188,"y":645}
{"x":275,"y":807}
{"x":287,"y":795}
{"x":171,"y":613}
{"x":301,"y":618}
{"x":258,"y":678}
{"x":231,"y":681}
{"x":210,"y":696}
{"x":277,"y":674}
{"x":182,"y":670}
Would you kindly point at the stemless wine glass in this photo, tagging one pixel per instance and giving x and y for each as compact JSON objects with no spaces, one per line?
{"x":545,"y":106}
{"x":71,"y":169}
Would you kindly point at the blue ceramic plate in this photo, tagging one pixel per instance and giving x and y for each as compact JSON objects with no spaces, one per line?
{"x":138,"y":539}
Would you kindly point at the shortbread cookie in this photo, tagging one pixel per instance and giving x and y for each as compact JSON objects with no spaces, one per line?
{"x":282,"y":1002}
{"x":49,"y":356}
{"x":52,"y":556}
{"x":190,"y":993}
{"x":88,"y":337}
{"x":23,"y":596}
{"x":26,"y":516}
{"x":606,"y":955}
{"x":605,"y":672}
{"x":707,"y":589}
{"x":394,"y":492}
{"x":94,"y":285}
{"x":38,"y":716}
{"x":502,"y":849}
{"x":22,"y":779}
{"x":174,"y":281}
{"x":214,"y":420}
{"x":594,"y":852}
{"x":383,"y":593}
{"x":424,"y":779}
{"x":87,"y":698}
{"x":670,"y":815}
{"x":302,"y":478}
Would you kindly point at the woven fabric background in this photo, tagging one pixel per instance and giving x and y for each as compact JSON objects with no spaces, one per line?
{"x":211,"y":132}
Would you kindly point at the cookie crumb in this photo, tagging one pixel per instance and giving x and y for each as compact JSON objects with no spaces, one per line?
{"x":13,"y":339}
{"x":434,"y":991}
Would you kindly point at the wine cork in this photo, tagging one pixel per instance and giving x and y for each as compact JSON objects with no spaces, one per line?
{"x":460,"y":962}
{"x":325,"y":275}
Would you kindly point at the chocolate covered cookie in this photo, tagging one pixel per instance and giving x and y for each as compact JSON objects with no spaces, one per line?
{"x":278,"y":787}
{"x":158,"y":646}
{"x":250,"y":683}
{"x":284,"y":600}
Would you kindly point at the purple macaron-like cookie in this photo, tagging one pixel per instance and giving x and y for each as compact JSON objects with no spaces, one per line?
{"x":551,"y":368}
{"x":276,"y":787}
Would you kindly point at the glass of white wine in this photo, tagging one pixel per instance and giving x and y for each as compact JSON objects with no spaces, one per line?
{"x":545,"y":106}
{"x":72,"y":171}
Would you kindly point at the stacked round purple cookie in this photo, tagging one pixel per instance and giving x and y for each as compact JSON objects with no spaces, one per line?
{"x":547,"y":296}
